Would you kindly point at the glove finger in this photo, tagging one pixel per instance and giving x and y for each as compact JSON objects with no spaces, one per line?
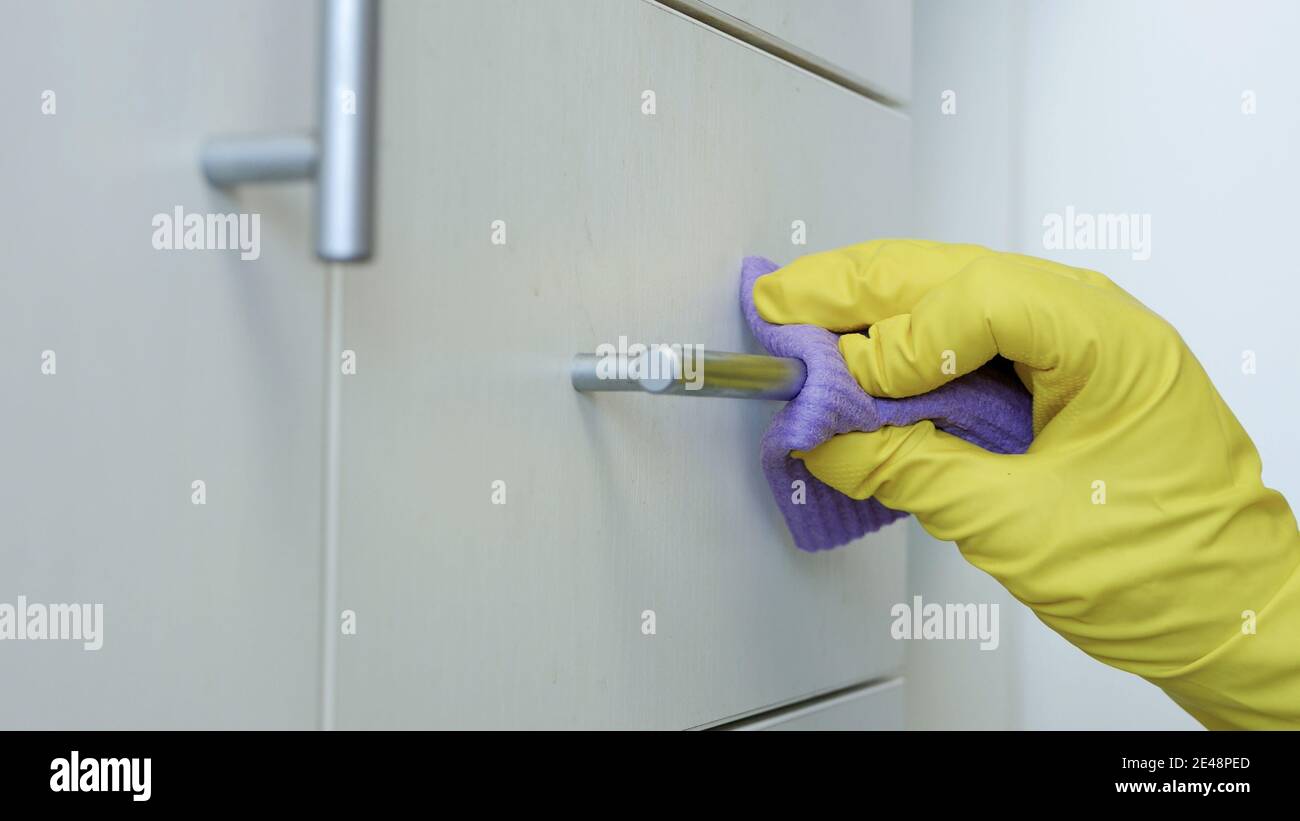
{"x":995,"y":306}
{"x":950,"y":485}
{"x":850,"y":288}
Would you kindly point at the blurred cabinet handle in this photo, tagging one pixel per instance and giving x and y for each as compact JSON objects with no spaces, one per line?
{"x":340,"y":157}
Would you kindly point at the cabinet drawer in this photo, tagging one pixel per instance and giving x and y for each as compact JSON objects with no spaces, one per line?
{"x":611,"y":222}
{"x":166,"y":368}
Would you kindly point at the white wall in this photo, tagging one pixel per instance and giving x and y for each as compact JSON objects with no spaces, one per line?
{"x":963,"y":167}
{"x":1137,"y":108}
{"x":1127,"y":108}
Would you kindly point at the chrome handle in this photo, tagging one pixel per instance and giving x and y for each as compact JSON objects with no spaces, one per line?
{"x":666,"y":371}
{"x":341,"y":156}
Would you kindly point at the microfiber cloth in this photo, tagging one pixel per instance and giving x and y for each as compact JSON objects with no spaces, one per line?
{"x":988,"y":407}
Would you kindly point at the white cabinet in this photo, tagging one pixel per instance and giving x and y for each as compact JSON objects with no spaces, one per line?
{"x":528,"y":120}
{"x":551,"y":176}
{"x":169,"y":367}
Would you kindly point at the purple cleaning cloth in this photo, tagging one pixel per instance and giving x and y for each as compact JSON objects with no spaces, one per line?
{"x":988,"y":407}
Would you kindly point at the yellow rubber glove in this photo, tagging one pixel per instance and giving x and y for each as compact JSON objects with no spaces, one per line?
{"x":1137,"y":525}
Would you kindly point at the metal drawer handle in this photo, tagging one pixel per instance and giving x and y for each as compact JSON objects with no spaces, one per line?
{"x":712,"y":373}
{"x":341,"y":156}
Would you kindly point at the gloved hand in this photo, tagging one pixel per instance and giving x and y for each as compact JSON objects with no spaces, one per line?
{"x":1137,"y":525}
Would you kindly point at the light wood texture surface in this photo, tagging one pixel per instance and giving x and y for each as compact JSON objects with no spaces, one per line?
{"x":172,"y":366}
{"x":529,"y":614}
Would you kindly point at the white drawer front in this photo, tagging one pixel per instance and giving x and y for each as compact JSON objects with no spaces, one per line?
{"x":165,"y":368}
{"x":617,"y":223}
